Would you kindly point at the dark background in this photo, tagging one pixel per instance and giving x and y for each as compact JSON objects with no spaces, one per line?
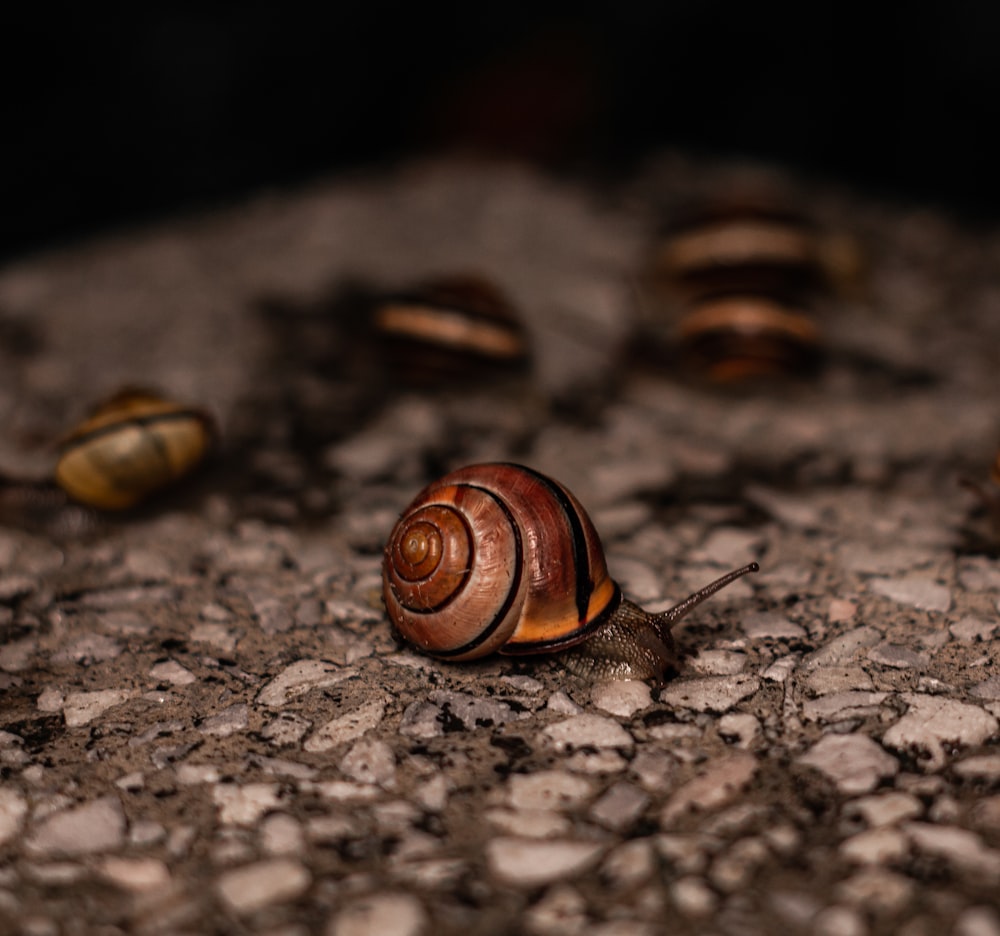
{"x":112,"y":118}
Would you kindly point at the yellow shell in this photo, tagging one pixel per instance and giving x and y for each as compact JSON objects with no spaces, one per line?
{"x":132,"y":445}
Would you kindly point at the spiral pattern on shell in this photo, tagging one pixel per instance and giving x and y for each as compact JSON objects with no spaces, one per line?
{"x":496,"y":557}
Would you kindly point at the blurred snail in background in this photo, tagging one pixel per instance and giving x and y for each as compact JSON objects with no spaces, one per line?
{"x":132,"y":445}
{"x":741,"y":277}
{"x":449,"y":329}
{"x":501,"y":558}
{"x":990,"y":497}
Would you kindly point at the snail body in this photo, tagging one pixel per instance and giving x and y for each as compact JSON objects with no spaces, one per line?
{"x":450,"y":328}
{"x":501,"y":558}
{"x":132,"y":445}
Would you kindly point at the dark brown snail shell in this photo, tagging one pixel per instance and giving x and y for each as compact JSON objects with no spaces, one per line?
{"x":132,"y":445}
{"x":450,"y":328}
{"x":740,"y":280}
{"x":501,"y":558}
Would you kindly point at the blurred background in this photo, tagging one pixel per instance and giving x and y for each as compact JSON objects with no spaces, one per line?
{"x":114,"y":118}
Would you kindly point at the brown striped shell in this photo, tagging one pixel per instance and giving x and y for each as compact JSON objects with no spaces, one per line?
{"x":458,"y":327}
{"x":499,"y":557}
{"x":132,"y":445}
{"x":496,"y":557}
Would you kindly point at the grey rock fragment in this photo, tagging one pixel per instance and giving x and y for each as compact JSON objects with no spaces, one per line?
{"x":977,"y":921}
{"x":982,"y":767}
{"x":842,"y":705}
{"x":718,"y":782}
{"x":988,"y":689}
{"x":276,"y":880}
{"x":917,"y":591}
{"x":844,"y":649}
{"x":370,"y":761}
{"x":346,"y":727}
{"x":13,"y":808}
{"x":959,"y":847}
{"x":172,"y":672}
{"x":770,"y":625}
{"x":227,"y":722}
{"x":693,"y":897}
{"x":739,"y":727}
{"x":533,"y":863}
{"x":300,"y":678}
{"x":81,"y":708}
{"x":548,"y":790}
{"x":855,"y":763}
{"x":718,"y":662}
{"x":137,"y":875}
{"x":896,"y":657}
{"x":932,"y":722}
{"x":973,"y":629}
{"x":884,"y":809}
{"x":621,"y":697}
{"x":389,"y":914}
{"x":96,"y":826}
{"x":244,"y":804}
{"x":620,"y":807}
{"x":710,"y":693}
{"x":588,"y":731}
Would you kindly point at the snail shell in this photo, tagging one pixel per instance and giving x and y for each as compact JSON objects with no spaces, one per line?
{"x":132,"y":445}
{"x":449,"y":328}
{"x":746,"y":336}
{"x":501,"y":558}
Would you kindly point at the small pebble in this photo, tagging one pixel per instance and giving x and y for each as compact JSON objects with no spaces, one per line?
{"x":918,"y":592}
{"x":588,"y":731}
{"x":277,"y":880}
{"x":770,"y":625}
{"x":172,"y":672}
{"x":621,"y":697}
{"x":244,"y":805}
{"x":931,"y":722}
{"x":548,"y":789}
{"x":877,"y":890}
{"x":855,"y":763}
{"x":981,"y":767}
{"x":533,"y":863}
{"x":693,"y":898}
{"x":136,"y":874}
{"x":227,"y":722}
{"x":96,"y":826}
{"x":843,"y":705}
{"x":897,"y":657}
{"x":740,"y":728}
{"x":370,"y":761}
{"x":977,"y":921}
{"x":839,"y":921}
{"x":391,"y":914}
{"x":347,"y":727}
{"x":300,"y":678}
{"x":884,"y":809}
{"x":973,"y":630}
{"x":81,"y":708}
{"x":875,"y":847}
{"x":13,"y":808}
{"x":710,"y":693}
{"x":620,"y":807}
{"x":961,"y":848}
{"x":718,"y":662}
{"x":718,"y":782}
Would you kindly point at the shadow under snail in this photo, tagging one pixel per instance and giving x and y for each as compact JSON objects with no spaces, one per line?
{"x":501,"y":558}
{"x":131,"y":445}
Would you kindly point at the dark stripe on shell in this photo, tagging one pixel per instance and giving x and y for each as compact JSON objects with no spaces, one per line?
{"x":581,"y":555}
{"x":143,"y":421}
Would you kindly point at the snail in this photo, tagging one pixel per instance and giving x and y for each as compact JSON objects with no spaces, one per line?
{"x":989,"y":497}
{"x":131,"y":445}
{"x":501,"y":558}
{"x":741,"y":337}
{"x":741,"y":279}
{"x":449,"y":328}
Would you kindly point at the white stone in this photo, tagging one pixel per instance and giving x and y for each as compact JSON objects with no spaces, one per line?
{"x":172,"y":672}
{"x":718,"y":782}
{"x":227,"y":722}
{"x":535,"y":862}
{"x":710,"y":693}
{"x":276,"y":880}
{"x":81,"y":708}
{"x":50,"y":700}
{"x":281,"y":834}
{"x":843,"y":705}
{"x":244,"y":805}
{"x":13,"y":808}
{"x":548,"y":789}
{"x":981,"y":767}
{"x":838,"y":921}
{"x":299,"y":678}
{"x":693,"y":898}
{"x":769,"y":625}
{"x":844,"y":649}
{"x":529,"y":823}
{"x":824,"y":680}
{"x":395,"y":914}
{"x":883,"y":809}
{"x":621,"y":697}
{"x":896,"y":657}
{"x":347,"y":727}
{"x":620,"y":806}
{"x":742,"y":727}
{"x":136,"y":874}
{"x":583,"y":731}
{"x":973,"y":629}
{"x":875,"y":846}
{"x":917,"y":591}
{"x":718,"y":662}
{"x":854,"y":762}
{"x":931,"y":722}
{"x":370,"y":761}
{"x":977,"y":921}
{"x":960,"y":847}
{"x":92,"y":827}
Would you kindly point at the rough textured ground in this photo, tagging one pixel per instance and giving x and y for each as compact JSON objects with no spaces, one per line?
{"x":206,"y":727}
